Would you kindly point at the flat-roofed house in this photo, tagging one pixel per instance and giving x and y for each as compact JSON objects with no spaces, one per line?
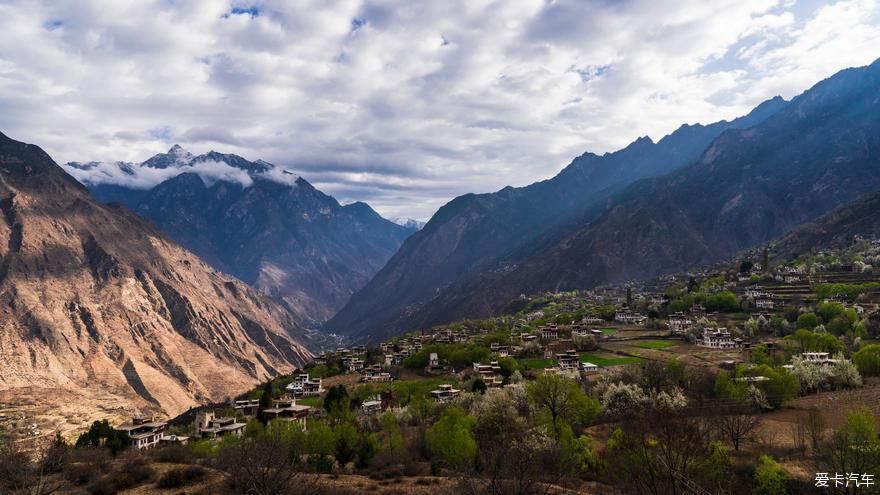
{"x":568,"y":360}
{"x":305,"y":386}
{"x":209,"y":425}
{"x":287,"y":409}
{"x":718,"y":338}
{"x":143,"y":433}
{"x":444,"y":393}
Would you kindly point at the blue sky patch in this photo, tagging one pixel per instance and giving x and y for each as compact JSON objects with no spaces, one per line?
{"x":357,"y":23}
{"x":251,"y":11}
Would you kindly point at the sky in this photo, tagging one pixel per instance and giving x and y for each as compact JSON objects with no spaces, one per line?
{"x":404,"y":104}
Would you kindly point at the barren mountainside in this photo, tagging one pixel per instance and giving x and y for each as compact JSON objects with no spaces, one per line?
{"x":95,"y":303}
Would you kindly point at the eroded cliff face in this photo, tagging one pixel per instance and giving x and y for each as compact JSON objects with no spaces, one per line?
{"x":100,"y":314}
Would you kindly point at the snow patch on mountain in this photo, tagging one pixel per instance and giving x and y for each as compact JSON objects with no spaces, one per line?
{"x":409,"y":223}
{"x":211,"y":167}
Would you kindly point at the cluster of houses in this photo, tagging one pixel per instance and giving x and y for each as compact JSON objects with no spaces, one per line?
{"x":304,"y":385}
{"x":764,"y":300}
{"x":146,"y":433}
{"x":489,"y":373}
{"x":629,"y":317}
{"x":352,"y":360}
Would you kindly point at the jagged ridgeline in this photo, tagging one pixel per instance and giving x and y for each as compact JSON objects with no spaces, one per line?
{"x":257,"y":221}
{"x":98,"y":307}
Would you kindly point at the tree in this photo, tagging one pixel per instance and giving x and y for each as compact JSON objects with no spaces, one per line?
{"x":724,"y":301}
{"x":508,"y":366}
{"x":262,"y":465}
{"x":759,"y":355}
{"x":561,"y":399}
{"x":855,"y":448}
{"x":828,"y":311}
{"x":347,"y":443}
{"x":815,"y":427}
{"x":584,"y":342}
{"x":717,"y":469}
{"x":811,"y":376}
{"x":393,"y":441}
{"x":844,"y":374}
{"x":656,"y":451}
{"x":101,"y":433}
{"x":621,"y":399}
{"x":321,"y":446}
{"x":478,"y":386}
{"x":451,"y":439}
{"x":367,"y":448}
{"x":867,"y":360}
{"x":737,"y":426}
{"x":810,"y":341}
{"x":266,"y":402}
{"x":808,"y":321}
{"x":780,"y":385}
{"x":21,"y":473}
{"x":337,"y":402}
{"x":770,"y":477}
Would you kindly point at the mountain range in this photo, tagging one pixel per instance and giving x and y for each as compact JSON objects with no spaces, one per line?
{"x":101,"y":314}
{"x":259,"y":222}
{"x":694,"y":197}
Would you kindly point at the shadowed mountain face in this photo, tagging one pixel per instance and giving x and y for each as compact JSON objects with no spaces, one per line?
{"x":272,"y":230}
{"x":749,"y":187}
{"x":488,"y":235}
{"x":834,"y":230}
{"x":95,"y":303}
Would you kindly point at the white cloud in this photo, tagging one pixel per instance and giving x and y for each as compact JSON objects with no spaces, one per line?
{"x":137,"y":176}
{"x":424,"y":100}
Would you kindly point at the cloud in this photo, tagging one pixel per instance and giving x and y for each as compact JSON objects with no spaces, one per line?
{"x":137,"y":176}
{"x":405,"y":104}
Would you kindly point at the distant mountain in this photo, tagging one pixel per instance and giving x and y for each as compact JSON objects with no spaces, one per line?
{"x":98,"y":307}
{"x":408,"y":223}
{"x":750,"y":186}
{"x":487,"y":235}
{"x":258,"y":222}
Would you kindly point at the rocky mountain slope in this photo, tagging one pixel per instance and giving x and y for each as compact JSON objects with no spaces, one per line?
{"x":97,"y":303}
{"x":263,"y":224}
{"x":487,"y":235}
{"x":833,"y":230}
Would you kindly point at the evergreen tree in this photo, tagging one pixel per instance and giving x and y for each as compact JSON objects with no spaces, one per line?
{"x":266,"y":402}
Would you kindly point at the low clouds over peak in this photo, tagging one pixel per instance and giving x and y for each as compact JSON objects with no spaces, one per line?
{"x":405,"y":104}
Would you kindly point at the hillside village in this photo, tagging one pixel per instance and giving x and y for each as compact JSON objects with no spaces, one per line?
{"x":785,"y":349}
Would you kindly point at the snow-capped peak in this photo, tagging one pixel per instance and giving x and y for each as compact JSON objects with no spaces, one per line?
{"x":409,"y":223}
{"x":175,"y":158}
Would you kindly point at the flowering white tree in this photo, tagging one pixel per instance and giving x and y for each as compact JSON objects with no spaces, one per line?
{"x":621,"y":399}
{"x":814,"y":376}
{"x":674,"y":399}
{"x":811,"y":376}
{"x":844,"y":373}
{"x":751,"y":327}
{"x":757,"y":398}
